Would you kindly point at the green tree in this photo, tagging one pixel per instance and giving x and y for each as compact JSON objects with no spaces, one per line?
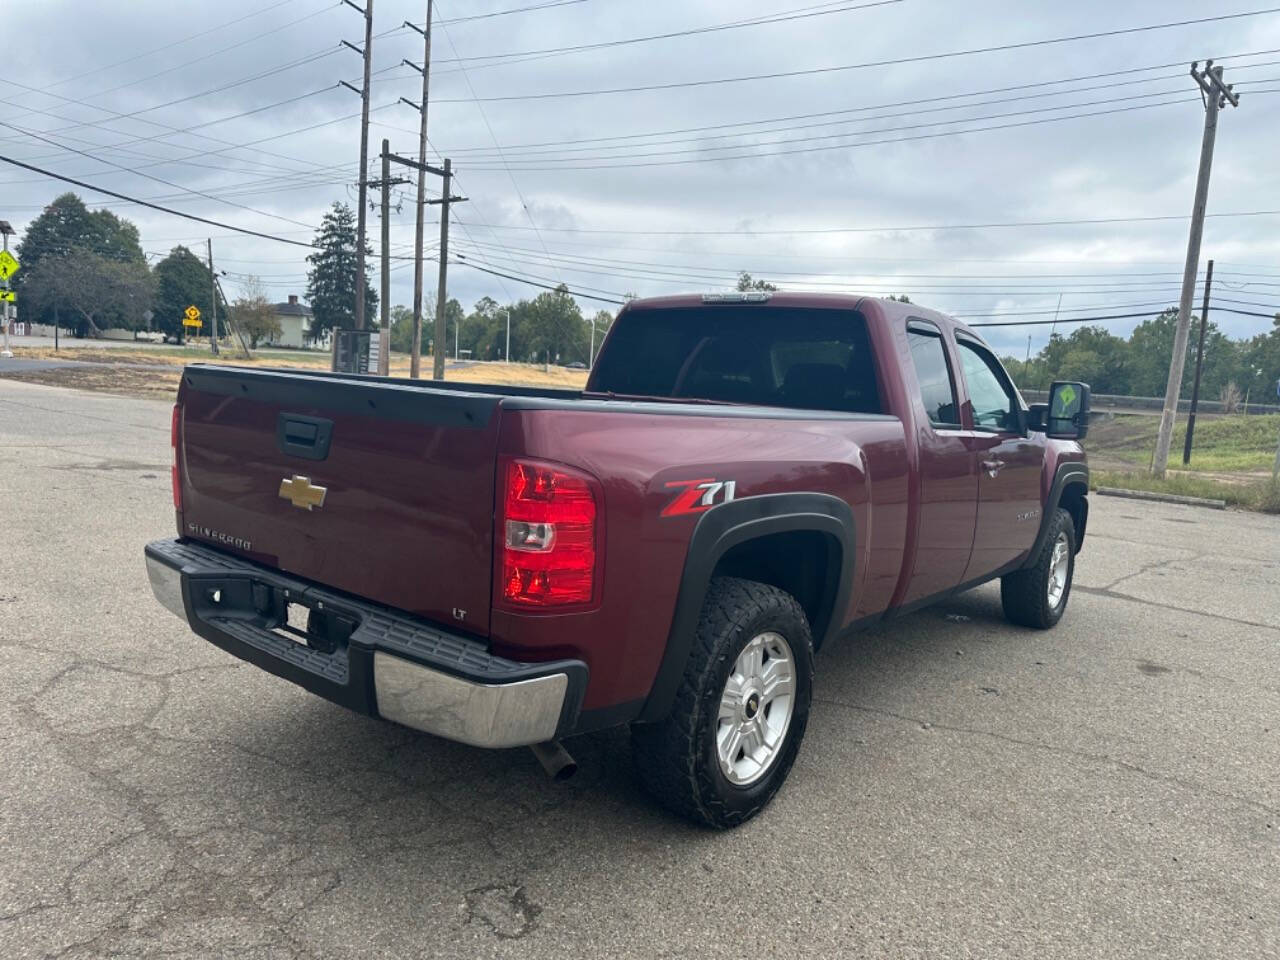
{"x":182,"y":280}
{"x":401,"y":329}
{"x":67,"y":225}
{"x":92,"y":293}
{"x":747,"y":282}
{"x":331,"y":281}
{"x":255,"y":315}
{"x":555,"y":327}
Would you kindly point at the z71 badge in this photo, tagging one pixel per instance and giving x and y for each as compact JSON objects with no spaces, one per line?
{"x":698,"y":495}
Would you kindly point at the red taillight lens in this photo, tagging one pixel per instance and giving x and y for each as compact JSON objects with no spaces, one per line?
{"x":547,"y":533}
{"x":173,"y":470}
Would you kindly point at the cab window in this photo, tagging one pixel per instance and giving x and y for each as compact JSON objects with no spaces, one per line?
{"x":990,"y":393}
{"x":933,"y":372}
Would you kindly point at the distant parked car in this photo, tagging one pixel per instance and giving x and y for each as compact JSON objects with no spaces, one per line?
{"x":576,"y":365}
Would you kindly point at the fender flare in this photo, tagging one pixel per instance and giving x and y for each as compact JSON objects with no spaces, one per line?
{"x":1067,"y":473}
{"x":728,"y":525}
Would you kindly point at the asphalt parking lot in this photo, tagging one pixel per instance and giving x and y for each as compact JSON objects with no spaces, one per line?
{"x":966,"y":789}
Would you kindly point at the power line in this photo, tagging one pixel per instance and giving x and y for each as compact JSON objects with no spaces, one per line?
{"x":541,"y":283}
{"x":524,"y":205}
{"x":624,"y":160}
{"x":153,"y":206}
{"x":895,"y":105}
{"x":174,"y":43}
{"x":822,"y":231}
{"x":804,"y":13}
{"x":514,"y":10}
{"x":168,"y":183}
{"x":896,"y":61}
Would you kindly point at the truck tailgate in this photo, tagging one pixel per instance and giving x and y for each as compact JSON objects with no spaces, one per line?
{"x":407,"y":473}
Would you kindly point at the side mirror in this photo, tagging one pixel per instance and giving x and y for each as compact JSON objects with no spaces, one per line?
{"x":1067,"y":413}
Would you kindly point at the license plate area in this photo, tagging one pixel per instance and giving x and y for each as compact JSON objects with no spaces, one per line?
{"x":286,"y":612}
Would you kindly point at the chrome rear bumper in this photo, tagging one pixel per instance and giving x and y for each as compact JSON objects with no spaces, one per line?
{"x":389,"y":665}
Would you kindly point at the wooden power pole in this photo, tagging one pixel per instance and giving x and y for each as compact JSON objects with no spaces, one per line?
{"x":1216,"y":95}
{"x":415,"y":358}
{"x":1195,"y":388}
{"x":363,"y":183}
{"x":445,"y":173}
{"x":213,"y":302}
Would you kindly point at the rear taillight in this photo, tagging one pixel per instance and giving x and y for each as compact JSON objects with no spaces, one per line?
{"x":547,"y":533}
{"x":173,"y":470}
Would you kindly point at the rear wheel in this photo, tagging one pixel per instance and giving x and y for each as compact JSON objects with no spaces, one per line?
{"x":1036,"y":596}
{"x":741,"y":709}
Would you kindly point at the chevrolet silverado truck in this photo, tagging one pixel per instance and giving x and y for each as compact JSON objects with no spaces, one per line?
{"x":744,"y":478}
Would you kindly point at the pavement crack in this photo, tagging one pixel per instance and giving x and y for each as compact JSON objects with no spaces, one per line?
{"x":1059,"y":750}
{"x":1114,"y":595}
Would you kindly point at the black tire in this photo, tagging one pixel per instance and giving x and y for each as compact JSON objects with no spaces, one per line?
{"x":676,"y":759}
{"x":1024,"y":594}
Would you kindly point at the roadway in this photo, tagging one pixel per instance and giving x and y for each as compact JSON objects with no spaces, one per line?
{"x":966,"y":789}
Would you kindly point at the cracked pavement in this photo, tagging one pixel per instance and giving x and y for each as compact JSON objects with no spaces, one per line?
{"x":1110,"y":788}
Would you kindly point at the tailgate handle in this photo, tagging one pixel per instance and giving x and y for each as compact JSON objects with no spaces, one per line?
{"x":305,"y":437}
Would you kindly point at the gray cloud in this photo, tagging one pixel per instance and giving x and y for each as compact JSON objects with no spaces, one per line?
{"x":1135,"y":163}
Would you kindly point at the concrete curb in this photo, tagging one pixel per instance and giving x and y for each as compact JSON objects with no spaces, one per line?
{"x":1162,"y":497}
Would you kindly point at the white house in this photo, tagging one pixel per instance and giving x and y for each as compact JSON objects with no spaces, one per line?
{"x":295,"y":325}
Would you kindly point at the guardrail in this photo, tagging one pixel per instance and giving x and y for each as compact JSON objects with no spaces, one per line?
{"x":1102,"y":402}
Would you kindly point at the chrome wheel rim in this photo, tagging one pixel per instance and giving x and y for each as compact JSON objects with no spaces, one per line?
{"x":1058,"y":563}
{"x":756,"y":706}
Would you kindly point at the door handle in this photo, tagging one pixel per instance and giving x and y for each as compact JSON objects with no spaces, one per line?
{"x":992,"y":467}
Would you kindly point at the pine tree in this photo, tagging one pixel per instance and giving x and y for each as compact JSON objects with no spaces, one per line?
{"x":331,"y":281}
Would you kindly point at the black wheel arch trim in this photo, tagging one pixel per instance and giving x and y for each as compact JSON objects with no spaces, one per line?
{"x":732,"y":524}
{"x":1067,"y":473}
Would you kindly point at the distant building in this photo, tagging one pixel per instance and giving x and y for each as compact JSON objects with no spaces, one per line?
{"x":295,"y":325}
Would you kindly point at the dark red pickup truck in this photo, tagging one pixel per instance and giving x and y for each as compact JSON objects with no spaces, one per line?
{"x":744,"y":478}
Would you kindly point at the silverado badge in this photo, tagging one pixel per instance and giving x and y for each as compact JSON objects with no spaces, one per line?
{"x":301,"y":493}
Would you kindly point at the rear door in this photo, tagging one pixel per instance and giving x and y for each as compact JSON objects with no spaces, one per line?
{"x":948,"y":486}
{"x":1009,"y":462}
{"x":377,"y":488}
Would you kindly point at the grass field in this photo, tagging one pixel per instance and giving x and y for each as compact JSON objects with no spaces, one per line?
{"x":1262,"y":495}
{"x":153,"y":371}
{"x":1237,"y":444}
{"x":1231,"y":458}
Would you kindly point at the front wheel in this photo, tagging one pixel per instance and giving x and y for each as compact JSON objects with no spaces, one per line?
{"x":1036,"y":596}
{"x":741,"y":709}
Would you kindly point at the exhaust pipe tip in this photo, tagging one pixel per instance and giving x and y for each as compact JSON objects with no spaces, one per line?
{"x":555,"y":759}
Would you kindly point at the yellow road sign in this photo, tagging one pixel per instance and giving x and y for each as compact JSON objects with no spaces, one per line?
{"x":8,"y":264}
{"x":188,"y":322}
{"x":193,"y":314}
{"x":8,"y":295}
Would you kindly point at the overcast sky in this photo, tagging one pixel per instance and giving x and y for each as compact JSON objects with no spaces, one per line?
{"x":682,"y":207}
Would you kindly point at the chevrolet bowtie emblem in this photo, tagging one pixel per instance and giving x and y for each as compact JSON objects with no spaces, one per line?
{"x":301,"y":493}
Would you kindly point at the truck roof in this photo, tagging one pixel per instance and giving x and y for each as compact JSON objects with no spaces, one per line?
{"x":889,"y":309}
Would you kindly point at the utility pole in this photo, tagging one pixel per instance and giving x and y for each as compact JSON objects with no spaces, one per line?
{"x":1216,"y":95}
{"x":384,"y":341}
{"x":6,"y":230}
{"x":442,"y":293}
{"x":591,"y":354}
{"x":415,"y":357}
{"x":1195,"y":389}
{"x":385,"y":184}
{"x":507,"y":356}
{"x":440,"y":346}
{"x":213,"y":302}
{"x":363,"y":183}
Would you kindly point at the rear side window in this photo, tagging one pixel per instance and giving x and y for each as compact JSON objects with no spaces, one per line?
{"x":749,"y":353}
{"x":937,"y":385}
